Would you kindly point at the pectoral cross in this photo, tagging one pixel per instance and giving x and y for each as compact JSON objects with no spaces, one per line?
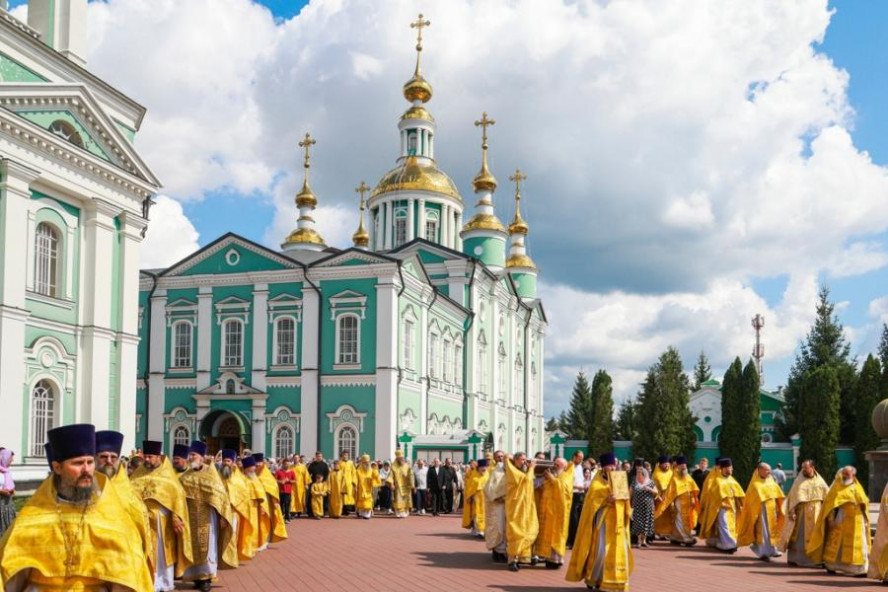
{"x":307,"y":143}
{"x":362,"y":189}
{"x":419,"y":25}
{"x":484,"y":122}
{"x":517,"y":178}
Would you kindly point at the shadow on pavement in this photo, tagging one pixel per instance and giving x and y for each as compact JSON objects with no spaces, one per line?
{"x":460,"y":560}
{"x":855,"y":583}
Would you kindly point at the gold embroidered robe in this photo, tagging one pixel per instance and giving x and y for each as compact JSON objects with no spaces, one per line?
{"x":205,"y":492}
{"x":473,"y":502}
{"x":270,"y":484}
{"x":522,"y":524}
{"x":553,"y":511}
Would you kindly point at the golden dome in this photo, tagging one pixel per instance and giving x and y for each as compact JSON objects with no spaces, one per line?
{"x":484,"y":180}
{"x":413,"y":175}
{"x":518,"y":225}
{"x":417,"y":88}
{"x":306,"y":198}
{"x":305,"y":236}
{"x":418,"y":112}
{"x":516,"y":260}
{"x":361,"y":238}
{"x":483,"y":221}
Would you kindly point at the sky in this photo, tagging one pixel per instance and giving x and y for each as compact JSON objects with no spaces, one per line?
{"x":689,"y":164}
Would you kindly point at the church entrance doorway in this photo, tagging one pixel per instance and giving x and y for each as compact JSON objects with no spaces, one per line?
{"x":224,"y":429}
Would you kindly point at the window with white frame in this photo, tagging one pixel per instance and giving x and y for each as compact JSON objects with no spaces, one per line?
{"x":431,"y":227}
{"x":233,"y":343}
{"x":181,"y":435}
{"x":285,"y":341}
{"x":409,"y":343}
{"x":348,"y":339}
{"x":42,"y":415}
{"x":445,"y":361}
{"x":46,"y":261}
{"x":347,"y":441}
{"x":457,"y":364}
{"x":433,"y":355}
{"x":400,"y":227}
{"x":283,"y":441}
{"x":182,"y":333}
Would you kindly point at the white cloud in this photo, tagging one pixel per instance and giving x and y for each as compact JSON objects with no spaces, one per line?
{"x":170,"y":237}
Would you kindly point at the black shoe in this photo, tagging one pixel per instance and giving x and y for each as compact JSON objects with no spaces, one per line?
{"x":204,"y":585}
{"x":499,"y":557}
{"x":552,"y":565}
{"x":514,"y":566}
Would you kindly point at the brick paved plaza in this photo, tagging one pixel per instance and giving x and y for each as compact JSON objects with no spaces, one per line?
{"x":425,"y":553}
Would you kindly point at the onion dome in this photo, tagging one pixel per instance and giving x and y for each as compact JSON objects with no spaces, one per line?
{"x":305,"y":236}
{"x":414,"y":174}
{"x":518,"y":230}
{"x":361,"y":238}
{"x":417,"y":88}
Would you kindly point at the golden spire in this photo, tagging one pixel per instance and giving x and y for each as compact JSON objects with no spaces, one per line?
{"x":518,"y":226}
{"x":306,"y":197}
{"x":484,"y":180}
{"x":417,"y":89}
{"x":361,"y":238}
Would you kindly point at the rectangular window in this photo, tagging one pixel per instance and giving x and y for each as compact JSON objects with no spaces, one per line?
{"x":233,"y":344}
{"x":286,"y":342}
{"x":457,"y":365}
{"x":433,"y":355}
{"x":445,"y":362}
{"x":431,"y":231}
{"x":182,"y":345}
{"x":348,"y":339}
{"x":408,"y":345}
{"x":400,"y":231}
{"x":46,"y":261}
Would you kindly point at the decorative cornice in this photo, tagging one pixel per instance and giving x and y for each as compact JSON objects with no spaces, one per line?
{"x":349,"y":380}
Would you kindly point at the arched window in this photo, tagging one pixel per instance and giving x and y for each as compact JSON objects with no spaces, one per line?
{"x":233,"y":343}
{"x":46,"y":261}
{"x":181,"y":435}
{"x":433,"y":355}
{"x":445,"y":361}
{"x":431,"y":227}
{"x":42,"y":415}
{"x":408,"y":344}
{"x":285,"y":340}
{"x":458,"y":364}
{"x":66,"y":131}
{"x":348,"y":339}
{"x":347,"y":441}
{"x":182,"y":344}
{"x":283,"y":442}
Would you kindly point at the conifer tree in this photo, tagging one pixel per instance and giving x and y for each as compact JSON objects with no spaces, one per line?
{"x":740,"y":436}
{"x":624,"y":427}
{"x":552,"y":424}
{"x":728,"y":440}
{"x":702,"y":371}
{"x":883,"y":360}
{"x":601,"y":434}
{"x":819,"y":425}
{"x":867,"y":397}
{"x":665,"y":423}
{"x":579,"y":415}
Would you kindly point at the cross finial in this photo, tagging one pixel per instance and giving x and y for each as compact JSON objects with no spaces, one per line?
{"x":484,"y":122}
{"x":362,"y":189}
{"x":419,"y":25}
{"x":307,"y":143}
{"x":517,"y":178}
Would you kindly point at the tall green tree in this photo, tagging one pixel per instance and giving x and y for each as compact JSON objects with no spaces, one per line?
{"x":740,"y":436}
{"x":665,"y":422}
{"x":825,"y":345}
{"x":624,"y":427}
{"x":883,"y":360}
{"x":579,"y":414}
{"x":552,"y":424}
{"x":819,"y":425}
{"x":867,"y":397}
{"x":601,"y":434}
{"x":702,"y":371}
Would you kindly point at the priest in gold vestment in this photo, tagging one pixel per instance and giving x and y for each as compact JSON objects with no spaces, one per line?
{"x":367,"y":478}
{"x":473,"y":502}
{"x":661,"y":477}
{"x":278,"y":528}
{"x":298,"y":503}
{"x":244,"y":521}
{"x":259,"y":509}
{"x":74,"y":534}
{"x":349,"y":482}
{"x":335,"y":490}
{"x":401,"y":482}
{"x":722,"y":503}
{"x":762,"y":518}
{"x":522,"y":524}
{"x":878,"y":561}
{"x":157,"y":483}
{"x":802,"y":508}
{"x":213,"y":544}
{"x":601,"y":555}
{"x":553,"y":511}
{"x":841,"y":536}
{"x":680,"y":502}
{"x":495,"y":509}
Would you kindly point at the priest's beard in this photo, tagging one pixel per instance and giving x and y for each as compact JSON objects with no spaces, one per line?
{"x":77,"y":495}
{"x":225,"y":471}
{"x":196,"y":465}
{"x":109,"y":470}
{"x":180,"y":468}
{"x":847,"y":482}
{"x":683,"y":472}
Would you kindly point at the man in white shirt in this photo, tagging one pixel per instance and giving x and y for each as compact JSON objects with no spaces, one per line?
{"x":778,"y":475}
{"x":579,"y":496}
{"x":420,"y":474}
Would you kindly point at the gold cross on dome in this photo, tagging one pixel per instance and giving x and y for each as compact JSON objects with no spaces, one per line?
{"x":517,"y":178}
{"x":483,"y":123}
{"x":307,"y":143}
{"x":419,"y":25}
{"x":362,"y":189}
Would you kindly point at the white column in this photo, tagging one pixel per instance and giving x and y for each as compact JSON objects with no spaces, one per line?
{"x":459,"y":225}
{"x":445,"y":225}
{"x":128,"y":340}
{"x":204,"y":335}
{"x":411,"y":206}
{"x":493,"y":361}
{"x":431,"y":145}
{"x":309,"y":439}
{"x":389,"y":224}
{"x":422,"y":218}
{"x":260,"y":335}
{"x":258,"y":429}
{"x":386,"y":367}
{"x":156,"y":367}
{"x":423,"y":369}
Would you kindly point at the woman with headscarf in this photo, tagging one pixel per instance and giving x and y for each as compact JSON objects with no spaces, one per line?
{"x":644,"y":491}
{"x":7,"y":490}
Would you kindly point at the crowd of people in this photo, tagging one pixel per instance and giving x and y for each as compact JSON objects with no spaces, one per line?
{"x":101,"y":521}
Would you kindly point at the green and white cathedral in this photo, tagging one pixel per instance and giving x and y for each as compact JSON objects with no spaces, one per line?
{"x":426,"y":335}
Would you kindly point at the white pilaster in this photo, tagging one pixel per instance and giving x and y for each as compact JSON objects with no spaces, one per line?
{"x":258,"y":430}
{"x":156,"y":367}
{"x":386,"y":367}
{"x":260,"y":335}
{"x":204,"y":335}
{"x":459,"y":225}
{"x":128,"y":340}
{"x":127,"y":352}
{"x":411,"y":206}
{"x":309,"y":439}
{"x":422,"y":218}
{"x":423,"y":370}
{"x":389,"y":227}
{"x":445,"y":225}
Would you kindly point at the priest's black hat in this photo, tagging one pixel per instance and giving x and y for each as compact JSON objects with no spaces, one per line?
{"x":248,"y":461}
{"x":152,"y":447}
{"x":258,"y":457}
{"x":229,"y":453}
{"x":725,"y":462}
{"x":109,"y":441}
{"x":608,"y":458}
{"x":47,"y":450}
{"x":180,"y":450}
{"x":72,"y":441}
{"x":680,"y":460}
{"x":663,"y":459}
{"x":198,"y":447}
